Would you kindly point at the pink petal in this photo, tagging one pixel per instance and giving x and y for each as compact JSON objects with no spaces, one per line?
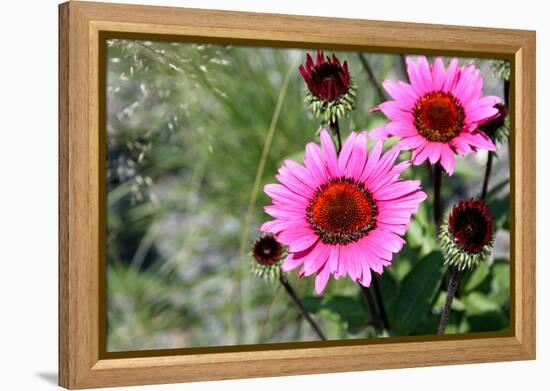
{"x":484,"y":102}
{"x":352,"y":260}
{"x":438,"y":74}
{"x":334,"y":258}
{"x":280,"y":194}
{"x":384,"y":164}
{"x":452,"y":75}
{"x":401,"y":129}
{"x":379,"y":133}
{"x":276,"y":226}
{"x":293,"y":183}
{"x":359,"y":261}
{"x":376,"y":248}
{"x":322,"y":279}
{"x":434,"y":152}
{"x":366,"y":276}
{"x":370,"y":254}
{"x":482,"y":114}
{"x":425,"y":73}
{"x":282,"y":212}
{"x":447,"y":160}
{"x":395,"y":111}
{"x":297,"y":239}
{"x":409,"y":201}
{"x":464,"y":88}
{"x":358,"y":157}
{"x":420,"y":154}
{"x":392,"y":176}
{"x":402,"y":92}
{"x":362,"y":264}
{"x":316,"y":258}
{"x":396,"y":190}
{"x":291,"y":263}
{"x":315,"y":163}
{"x":416,"y":79}
{"x":372,"y":160}
{"x":345,"y":153}
{"x":460,"y":145}
{"x":304,"y":175}
{"x":478,"y":140}
{"x":398,"y":229}
{"x":412,"y":142}
{"x":392,"y":242}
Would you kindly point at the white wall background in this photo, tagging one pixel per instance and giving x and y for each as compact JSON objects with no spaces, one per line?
{"x":28,"y":193}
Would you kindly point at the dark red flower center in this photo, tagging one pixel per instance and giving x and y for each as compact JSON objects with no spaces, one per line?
{"x":342,"y":211}
{"x":438,"y":116}
{"x":267,"y":250}
{"x":471,"y":224}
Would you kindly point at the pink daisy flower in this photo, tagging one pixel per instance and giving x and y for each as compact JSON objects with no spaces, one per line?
{"x":342,"y":215}
{"x":438,"y":114}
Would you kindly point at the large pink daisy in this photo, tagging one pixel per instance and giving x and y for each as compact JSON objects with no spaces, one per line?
{"x":342,"y":215}
{"x":438,"y":114}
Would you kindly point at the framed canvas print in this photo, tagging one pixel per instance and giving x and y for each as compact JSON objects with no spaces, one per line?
{"x":247,"y":195}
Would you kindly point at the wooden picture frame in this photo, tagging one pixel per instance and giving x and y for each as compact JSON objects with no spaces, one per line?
{"x":82,"y":362}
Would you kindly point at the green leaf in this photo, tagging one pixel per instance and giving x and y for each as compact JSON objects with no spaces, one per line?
{"x":489,"y":321}
{"x":500,"y":208}
{"x":491,"y":194}
{"x":350,"y":310}
{"x":390,"y":288}
{"x":345,"y":310}
{"x":312,"y":303}
{"x":475,"y":278}
{"x":417,"y":293}
{"x":500,"y":283}
{"x":457,"y":304}
{"x":478,"y":304}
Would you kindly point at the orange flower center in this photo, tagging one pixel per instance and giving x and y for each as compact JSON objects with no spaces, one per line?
{"x":438,"y":116}
{"x":342,"y":211}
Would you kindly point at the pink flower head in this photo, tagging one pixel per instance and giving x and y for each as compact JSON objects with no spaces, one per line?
{"x":342,"y":215}
{"x":439,"y":113}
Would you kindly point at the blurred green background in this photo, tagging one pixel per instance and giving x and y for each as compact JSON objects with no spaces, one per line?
{"x":186,"y":126}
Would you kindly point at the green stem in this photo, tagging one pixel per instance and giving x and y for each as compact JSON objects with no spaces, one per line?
{"x":375,"y":318}
{"x":488,"y":168}
{"x":370,"y":74}
{"x":284,"y":282}
{"x":380,"y":303}
{"x":336,"y":130}
{"x":456,"y":274}
{"x":237,"y":288}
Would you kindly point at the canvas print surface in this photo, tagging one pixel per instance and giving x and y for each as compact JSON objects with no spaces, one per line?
{"x":269,"y":195}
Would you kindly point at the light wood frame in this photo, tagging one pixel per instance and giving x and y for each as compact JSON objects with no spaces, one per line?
{"x":81,"y":364}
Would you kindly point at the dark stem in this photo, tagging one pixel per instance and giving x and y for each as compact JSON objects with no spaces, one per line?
{"x":380,"y":303}
{"x":456,"y":274}
{"x":438,"y":207}
{"x":430,"y":173}
{"x":300,"y":305}
{"x":490,"y":156}
{"x":372,"y":78}
{"x":488,"y":168}
{"x":507,"y":93}
{"x":375,"y":318}
{"x":336,"y":130}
